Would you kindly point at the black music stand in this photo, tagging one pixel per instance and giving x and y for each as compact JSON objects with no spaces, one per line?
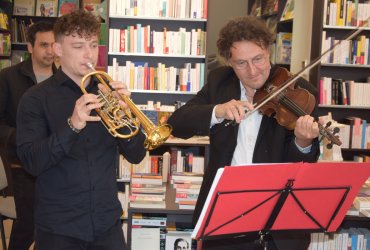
{"x":279,"y":197}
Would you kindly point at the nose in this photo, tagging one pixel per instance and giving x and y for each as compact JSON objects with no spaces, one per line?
{"x":251,"y":68}
{"x":49,"y":49}
{"x":87,"y":52}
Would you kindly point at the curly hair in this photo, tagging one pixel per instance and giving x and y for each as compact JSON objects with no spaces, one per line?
{"x":246,"y":28}
{"x":79,"y":22}
{"x":42,"y":26}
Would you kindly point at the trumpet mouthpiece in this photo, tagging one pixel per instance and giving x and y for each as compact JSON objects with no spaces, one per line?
{"x":90,"y":65}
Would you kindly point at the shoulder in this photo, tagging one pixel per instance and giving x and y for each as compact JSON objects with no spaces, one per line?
{"x":222,"y":74}
{"x":40,"y":90}
{"x":10,"y":71}
{"x":303,"y":83}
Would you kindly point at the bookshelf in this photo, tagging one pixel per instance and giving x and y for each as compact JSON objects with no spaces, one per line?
{"x":158,"y":43}
{"x":339,"y":66}
{"x":171,"y":212}
{"x":5,"y":34}
{"x":174,"y":215}
{"x":273,"y":12}
{"x":26,"y":12}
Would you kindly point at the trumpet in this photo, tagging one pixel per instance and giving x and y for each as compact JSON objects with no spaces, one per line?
{"x":114,"y":117}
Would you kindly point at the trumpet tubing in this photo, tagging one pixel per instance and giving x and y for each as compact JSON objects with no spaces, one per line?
{"x":114,"y":117}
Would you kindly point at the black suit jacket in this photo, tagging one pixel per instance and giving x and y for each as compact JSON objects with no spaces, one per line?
{"x":274,"y":144}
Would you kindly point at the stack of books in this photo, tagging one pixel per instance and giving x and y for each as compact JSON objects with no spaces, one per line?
{"x":187,"y":186}
{"x":147,"y":191}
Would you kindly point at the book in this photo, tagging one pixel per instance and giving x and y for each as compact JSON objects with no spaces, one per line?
{"x":187,"y":204}
{"x":67,"y":6}
{"x":47,"y":8}
{"x":145,"y":238}
{"x":270,"y":7}
{"x":256,"y":8}
{"x":178,"y":240}
{"x":152,"y":221}
{"x":288,"y":12}
{"x":97,"y":7}
{"x":24,"y":7}
{"x":362,"y":203}
{"x":148,"y":204}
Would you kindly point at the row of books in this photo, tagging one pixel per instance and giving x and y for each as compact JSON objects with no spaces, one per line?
{"x":346,"y":12}
{"x":283,"y":48}
{"x":354,"y":133}
{"x":343,"y":92}
{"x":48,"y":8}
{"x":19,"y":30}
{"x":354,"y":51}
{"x":144,"y":39}
{"x":141,"y":76}
{"x":196,"y":9}
{"x":271,"y":7}
{"x":5,"y":44}
{"x":344,"y":239}
{"x":159,"y":168}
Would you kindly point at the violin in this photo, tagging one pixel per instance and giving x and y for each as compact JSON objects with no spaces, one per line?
{"x":289,"y":104}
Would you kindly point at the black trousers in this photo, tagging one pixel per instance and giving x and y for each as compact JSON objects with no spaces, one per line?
{"x":278,"y":241}
{"x":22,"y":235}
{"x":113,"y":239}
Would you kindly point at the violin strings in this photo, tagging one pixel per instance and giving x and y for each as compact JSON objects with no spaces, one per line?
{"x":300,"y":112}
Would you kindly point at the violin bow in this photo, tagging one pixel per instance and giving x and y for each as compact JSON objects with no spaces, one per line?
{"x":285,"y":85}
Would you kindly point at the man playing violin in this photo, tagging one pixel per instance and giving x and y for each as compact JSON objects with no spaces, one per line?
{"x":244,"y":44}
{"x":61,"y":141}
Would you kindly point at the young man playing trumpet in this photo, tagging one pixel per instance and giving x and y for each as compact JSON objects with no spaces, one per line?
{"x":61,"y":141}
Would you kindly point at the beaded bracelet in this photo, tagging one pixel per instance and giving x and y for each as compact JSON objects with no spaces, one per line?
{"x":71,"y":126}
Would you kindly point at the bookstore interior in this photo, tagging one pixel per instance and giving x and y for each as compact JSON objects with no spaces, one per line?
{"x":161,"y":50}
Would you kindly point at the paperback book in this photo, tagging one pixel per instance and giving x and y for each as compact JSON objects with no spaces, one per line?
{"x":24,"y":7}
{"x":47,"y":8}
{"x":67,"y":6}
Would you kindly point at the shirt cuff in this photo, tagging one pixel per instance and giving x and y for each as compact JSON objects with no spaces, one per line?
{"x":304,"y":150}
{"x":214,"y":119}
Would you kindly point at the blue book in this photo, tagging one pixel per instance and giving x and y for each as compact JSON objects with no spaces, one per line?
{"x":363,"y":134}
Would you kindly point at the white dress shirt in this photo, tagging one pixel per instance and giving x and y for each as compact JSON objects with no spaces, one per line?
{"x":247,"y":135}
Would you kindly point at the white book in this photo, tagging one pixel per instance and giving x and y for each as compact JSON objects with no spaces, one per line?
{"x":145,"y":238}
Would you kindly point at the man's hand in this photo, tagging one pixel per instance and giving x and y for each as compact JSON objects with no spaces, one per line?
{"x":119,"y":89}
{"x":306,"y":130}
{"x":82,"y":110}
{"x":233,"y":110}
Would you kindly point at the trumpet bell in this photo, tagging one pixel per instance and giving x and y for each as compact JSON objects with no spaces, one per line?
{"x":157,"y":136}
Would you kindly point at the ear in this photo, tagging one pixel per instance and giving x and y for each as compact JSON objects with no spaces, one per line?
{"x":29,"y":48}
{"x":57,"y":47}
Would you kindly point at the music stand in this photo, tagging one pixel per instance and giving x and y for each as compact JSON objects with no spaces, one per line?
{"x":279,"y":197}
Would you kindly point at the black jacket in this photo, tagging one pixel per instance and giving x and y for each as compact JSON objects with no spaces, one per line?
{"x":275,"y":144}
{"x":14,"y":82}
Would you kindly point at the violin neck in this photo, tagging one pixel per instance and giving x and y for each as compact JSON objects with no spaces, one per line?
{"x":291,"y":106}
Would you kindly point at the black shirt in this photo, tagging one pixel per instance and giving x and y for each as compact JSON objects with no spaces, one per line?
{"x":76,"y":191}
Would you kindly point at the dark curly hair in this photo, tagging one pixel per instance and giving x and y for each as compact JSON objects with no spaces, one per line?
{"x":42,"y":26}
{"x":80,"y":22}
{"x":246,"y":28}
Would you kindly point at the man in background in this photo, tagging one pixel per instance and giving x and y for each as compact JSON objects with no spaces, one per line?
{"x":14,"y":82}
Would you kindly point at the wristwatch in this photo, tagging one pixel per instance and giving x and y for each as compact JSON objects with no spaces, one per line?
{"x":76,"y":130}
